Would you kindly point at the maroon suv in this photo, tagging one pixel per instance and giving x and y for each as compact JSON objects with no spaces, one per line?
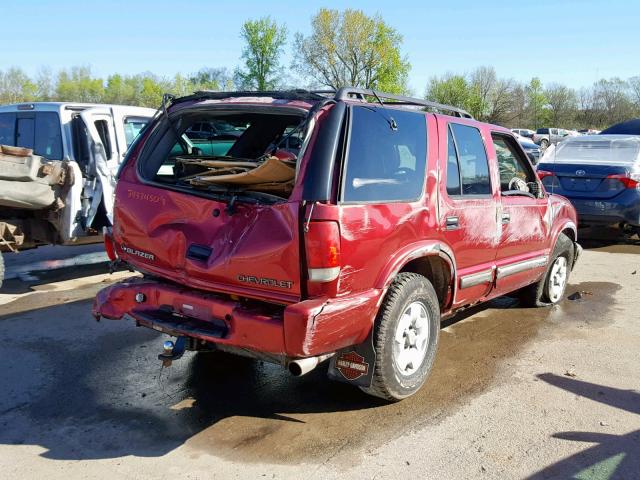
{"x":336,"y":226}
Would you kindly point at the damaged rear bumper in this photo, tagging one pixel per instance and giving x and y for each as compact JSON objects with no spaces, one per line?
{"x":308,"y":328}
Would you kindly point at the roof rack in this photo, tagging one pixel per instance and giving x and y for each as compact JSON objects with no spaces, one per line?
{"x":300,"y":94}
{"x":345,"y":93}
{"x":350,"y":93}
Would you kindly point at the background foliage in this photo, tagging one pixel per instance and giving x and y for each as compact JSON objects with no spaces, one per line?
{"x":343,"y":48}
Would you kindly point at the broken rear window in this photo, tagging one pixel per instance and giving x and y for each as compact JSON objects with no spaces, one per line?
{"x":237,"y":152}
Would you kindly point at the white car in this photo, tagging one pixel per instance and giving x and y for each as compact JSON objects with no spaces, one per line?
{"x":58,"y":165}
{"x":524,"y":132}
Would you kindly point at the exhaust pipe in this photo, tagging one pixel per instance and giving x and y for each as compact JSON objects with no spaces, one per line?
{"x":303,"y":366}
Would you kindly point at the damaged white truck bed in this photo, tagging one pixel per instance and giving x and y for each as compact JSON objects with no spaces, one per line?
{"x":58,"y":163}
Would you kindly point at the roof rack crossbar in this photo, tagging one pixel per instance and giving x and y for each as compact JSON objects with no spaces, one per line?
{"x":350,"y":93}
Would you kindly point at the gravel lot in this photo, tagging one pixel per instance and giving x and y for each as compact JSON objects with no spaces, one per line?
{"x":515,"y":393}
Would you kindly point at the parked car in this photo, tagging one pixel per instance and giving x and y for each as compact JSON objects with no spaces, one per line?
{"x":588,"y":131}
{"x":532,"y":150}
{"x":630,"y":127}
{"x":57,"y":170}
{"x":549,"y":136}
{"x":600,"y":175}
{"x":213,"y":130}
{"x":524,"y":132}
{"x":388,"y":219}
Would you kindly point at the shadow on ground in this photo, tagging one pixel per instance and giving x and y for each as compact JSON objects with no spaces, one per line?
{"x":608,"y":239}
{"x":87,"y":390}
{"x":612,"y":456}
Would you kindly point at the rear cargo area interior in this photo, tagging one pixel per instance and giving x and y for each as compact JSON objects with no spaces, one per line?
{"x":228,"y":152}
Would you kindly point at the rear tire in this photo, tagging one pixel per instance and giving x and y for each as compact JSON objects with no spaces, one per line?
{"x":550,"y":289}
{"x":1,"y":269}
{"x":405,"y":337}
{"x":544,"y":143}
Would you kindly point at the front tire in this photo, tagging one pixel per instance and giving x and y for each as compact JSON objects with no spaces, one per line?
{"x":1,"y":269}
{"x":406,"y":335}
{"x":550,"y":289}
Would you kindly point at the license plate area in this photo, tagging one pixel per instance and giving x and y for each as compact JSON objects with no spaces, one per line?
{"x":171,"y":323}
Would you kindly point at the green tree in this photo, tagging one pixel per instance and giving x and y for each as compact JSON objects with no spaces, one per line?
{"x":44,"y":84}
{"x":561,"y":103}
{"x":536,"y":102}
{"x":349,"y":48}
{"x":612,"y":101}
{"x":212,"y":79}
{"x":78,"y":85}
{"x":151,"y":91}
{"x":450,"y":90}
{"x":120,"y":90}
{"x":16,"y":86}
{"x":264,"y":40}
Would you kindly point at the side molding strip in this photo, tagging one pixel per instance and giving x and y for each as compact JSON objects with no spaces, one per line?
{"x":476,"y":278}
{"x":530,"y":264}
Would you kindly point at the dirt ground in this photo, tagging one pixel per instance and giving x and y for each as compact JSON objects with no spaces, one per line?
{"x":515,"y":393}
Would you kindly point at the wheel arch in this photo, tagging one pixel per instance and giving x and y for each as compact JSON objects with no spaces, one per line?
{"x":433,"y":260}
{"x":568,"y":228}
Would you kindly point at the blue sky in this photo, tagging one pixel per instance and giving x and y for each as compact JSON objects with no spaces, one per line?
{"x":571,"y":42}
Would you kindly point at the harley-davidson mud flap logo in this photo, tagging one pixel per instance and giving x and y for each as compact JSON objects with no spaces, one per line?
{"x":351,"y":365}
{"x":354,"y":364}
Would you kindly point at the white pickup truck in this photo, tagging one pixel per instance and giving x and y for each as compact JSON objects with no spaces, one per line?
{"x":58,"y":165}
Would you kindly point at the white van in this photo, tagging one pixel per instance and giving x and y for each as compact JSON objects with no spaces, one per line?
{"x":58,"y":163}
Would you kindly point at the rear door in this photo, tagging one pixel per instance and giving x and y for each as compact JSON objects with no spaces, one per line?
{"x":103,"y":162}
{"x":468,"y":208}
{"x":382,"y":192}
{"x":523,"y":252}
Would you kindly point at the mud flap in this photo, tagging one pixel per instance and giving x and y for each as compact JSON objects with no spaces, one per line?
{"x":354,"y":364}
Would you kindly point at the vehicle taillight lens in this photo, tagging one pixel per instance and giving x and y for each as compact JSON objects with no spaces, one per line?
{"x":322,"y":246}
{"x":544,"y":173}
{"x":109,"y":245}
{"x":629,"y":181}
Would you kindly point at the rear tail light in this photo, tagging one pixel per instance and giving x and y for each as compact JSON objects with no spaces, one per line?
{"x":628,"y":180}
{"x":109,"y":245}
{"x":322,"y":247}
{"x":544,"y":173}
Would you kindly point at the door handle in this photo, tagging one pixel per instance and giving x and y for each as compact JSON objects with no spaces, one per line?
{"x":452,"y":223}
{"x":506,"y":218}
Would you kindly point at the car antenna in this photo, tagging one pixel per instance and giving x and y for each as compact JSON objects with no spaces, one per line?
{"x":391,"y":120}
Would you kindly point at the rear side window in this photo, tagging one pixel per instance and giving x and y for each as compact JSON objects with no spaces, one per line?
{"x":132,"y":127}
{"x":80,"y":142}
{"x":39,"y":131}
{"x":103,"y":130}
{"x":384,"y":163}
{"x":472,"y":162}
{"x":453,"y":172}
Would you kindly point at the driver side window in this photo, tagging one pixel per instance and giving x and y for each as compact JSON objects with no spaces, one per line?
{"x":515,"y":171}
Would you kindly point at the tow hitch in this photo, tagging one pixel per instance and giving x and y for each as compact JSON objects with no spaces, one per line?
{"x":172,"y":351}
